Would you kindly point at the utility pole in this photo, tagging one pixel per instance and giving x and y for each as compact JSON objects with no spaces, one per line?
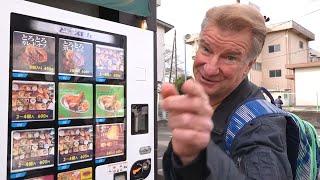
{"x":173,"y":55}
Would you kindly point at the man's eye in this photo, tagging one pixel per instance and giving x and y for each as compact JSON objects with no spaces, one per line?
{"x":205,"y":49}
{"x":231,"y":58}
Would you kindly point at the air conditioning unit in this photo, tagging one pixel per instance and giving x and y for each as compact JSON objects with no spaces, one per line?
{"x":187,"y":36}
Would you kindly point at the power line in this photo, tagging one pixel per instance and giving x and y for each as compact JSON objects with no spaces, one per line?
{"x":309,"y":13}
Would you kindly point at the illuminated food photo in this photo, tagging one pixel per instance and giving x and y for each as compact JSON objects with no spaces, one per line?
{"x":32,"y":100}
{"x":79,"y":174}
{"x":33,"y":53}
{"x":75,"y":58}
{"x":110,"y":101}
{"x":75,"y":101}
{"x":32,"y":149}
{"x":109,"y":62}
{"x":75,"y":144}
{"x":109,"y":140}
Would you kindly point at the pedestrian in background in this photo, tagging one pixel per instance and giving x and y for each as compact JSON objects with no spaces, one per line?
{"x":278,"y":102}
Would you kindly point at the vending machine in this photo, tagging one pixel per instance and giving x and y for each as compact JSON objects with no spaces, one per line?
{"x":77,"y":96}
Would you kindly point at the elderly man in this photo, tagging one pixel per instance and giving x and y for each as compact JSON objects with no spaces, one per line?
{"x":231,"y":38}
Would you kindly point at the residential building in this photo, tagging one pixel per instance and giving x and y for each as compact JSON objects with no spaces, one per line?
{"x":191,"y":40}
{"x":286,"y":46}
{"x":286,"y":65}
{"x":162,"y":28}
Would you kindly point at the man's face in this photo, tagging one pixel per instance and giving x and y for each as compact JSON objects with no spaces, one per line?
{"x":221,"y":61}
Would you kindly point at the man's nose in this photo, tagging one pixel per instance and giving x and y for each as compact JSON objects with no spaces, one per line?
{"x":211,"y":68}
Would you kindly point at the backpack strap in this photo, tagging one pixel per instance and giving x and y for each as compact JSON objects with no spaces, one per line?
{"x":305,"y":161}
{"x":266,"y":92}
{"x":248,"y":111}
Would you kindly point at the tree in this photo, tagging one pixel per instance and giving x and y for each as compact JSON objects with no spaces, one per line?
{"x":168,"y":69}
{"x":179,"y":82}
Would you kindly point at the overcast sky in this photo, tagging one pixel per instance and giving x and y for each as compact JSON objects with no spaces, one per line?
{"x":186,"y":16}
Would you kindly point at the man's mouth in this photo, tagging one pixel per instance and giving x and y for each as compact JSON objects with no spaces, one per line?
{"x":207,"y":80}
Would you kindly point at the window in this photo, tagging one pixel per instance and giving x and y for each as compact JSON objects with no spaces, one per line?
{"x":275,"y":73}
{"x":274,"y":48}
{"x":257,"y":66}
{"x":300,"y":44}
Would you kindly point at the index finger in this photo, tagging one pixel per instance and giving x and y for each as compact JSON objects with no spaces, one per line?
{"x":167,"y":90}
{"x":193,"y":88}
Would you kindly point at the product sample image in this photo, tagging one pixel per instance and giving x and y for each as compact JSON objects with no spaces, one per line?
{"x":79,"y":174}
{"x":109,"y":140}
{"x":75,"y":144}
{"x":33,"y":53}
{"x":32,"y":149}
{"x":75,"y":58}
{"x":109,"y":62}
{"x":75,"y":101}
{"x":33,"y":100}
{"x":109,"y":101}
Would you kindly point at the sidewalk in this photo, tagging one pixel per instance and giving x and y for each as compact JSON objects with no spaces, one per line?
{"x":302,"y":108}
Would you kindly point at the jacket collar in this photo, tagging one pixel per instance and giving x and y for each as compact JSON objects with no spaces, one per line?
{"x":227,"y":106}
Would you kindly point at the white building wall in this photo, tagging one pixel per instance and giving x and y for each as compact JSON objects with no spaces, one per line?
{"x":160,"y":52}
{"x":307,"y":86}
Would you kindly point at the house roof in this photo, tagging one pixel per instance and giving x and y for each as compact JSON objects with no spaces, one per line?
{"x":291,"y":25}
{"x":167,"y":27}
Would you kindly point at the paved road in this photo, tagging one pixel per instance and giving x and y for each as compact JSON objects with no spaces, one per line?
{"x":164,"y":136}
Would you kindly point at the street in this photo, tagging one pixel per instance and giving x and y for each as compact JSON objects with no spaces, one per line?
{"x":164,"y":136}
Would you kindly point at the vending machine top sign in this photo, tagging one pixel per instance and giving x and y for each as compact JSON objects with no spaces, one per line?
{"x":76,"y":106}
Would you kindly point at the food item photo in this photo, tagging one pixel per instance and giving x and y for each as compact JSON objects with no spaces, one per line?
{"x":75,"y":58}
{"x":109,"y":62}
{"x":75,"y":144}
{"x":109,"y":140}
{"x":33,"y":100}
{"x":75,"y":101}
{"x":33,"y":53}
{"x":110,"y":101}
{"x":32,"y":149}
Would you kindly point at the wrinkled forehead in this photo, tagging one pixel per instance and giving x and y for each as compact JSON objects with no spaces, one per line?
{"x":215,"y":35}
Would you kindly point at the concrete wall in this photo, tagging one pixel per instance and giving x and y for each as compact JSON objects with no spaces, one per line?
{"x":160,"y":52}
{"x":307,"y":86}
{"x":255,"y":77}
